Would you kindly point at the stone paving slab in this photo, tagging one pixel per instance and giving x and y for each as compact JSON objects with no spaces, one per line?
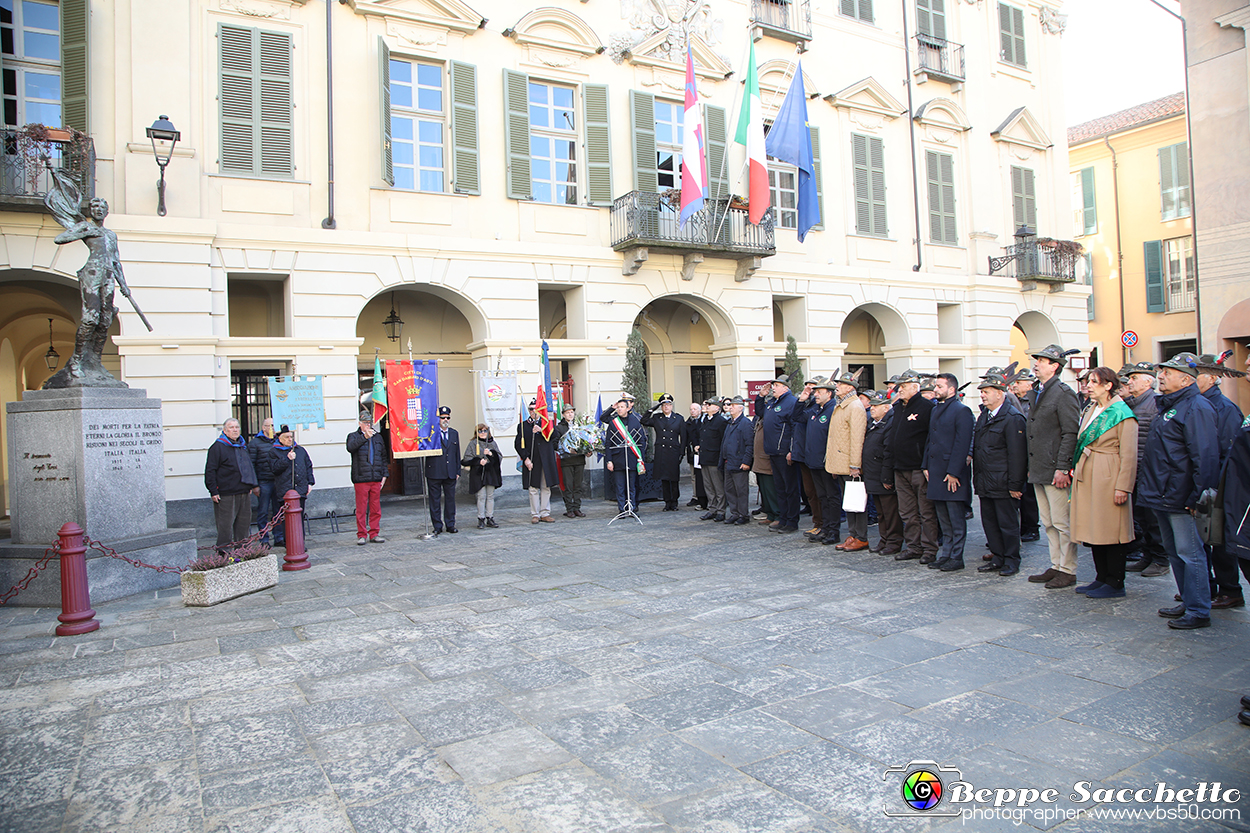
{"x":674,"y":677}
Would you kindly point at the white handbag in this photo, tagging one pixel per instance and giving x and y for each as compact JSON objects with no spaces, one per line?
{"x":854,"y":496}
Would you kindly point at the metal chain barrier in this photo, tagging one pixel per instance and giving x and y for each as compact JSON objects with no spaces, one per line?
{"x":50,"y":553}
{"x":54,"y":552}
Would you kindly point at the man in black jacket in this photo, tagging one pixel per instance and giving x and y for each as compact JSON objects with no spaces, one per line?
{"x":572,"y":467}
{"x":904,"y":454}
{"x":879,"y":480}
{"x":737,"y":453}
{"x":267,"y":500}
{"x":999,"y":471}
{"x":441,"y":473}
{"x":1148,"y":544}
{"x":230,"y":479}
{"x":711,"y":432}
{"x":370,"y":464}
{"x":697,"y":415}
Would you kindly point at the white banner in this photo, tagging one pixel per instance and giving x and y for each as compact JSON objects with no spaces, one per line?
{"x":499,"y":403}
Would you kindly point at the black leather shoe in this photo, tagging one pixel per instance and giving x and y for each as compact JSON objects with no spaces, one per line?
{"x":693,"y":502}
{"x":720,"y":516}
{"x":1032,"y":536}
{"x":992,"y":567}
{"x":1008,"y":571}
{"x":707,"y":516}
{"x":742,"y":521}
{"x":1137,"y":566}
{"x":452,"y":529}
{"x":928,"y":559}
{"x":729,"y":521}
{"x":951,"y":565}
{"x":936,"y":565}
{"x":1173,"y":612}
{"x":1189,"y":623}
{"x":1245,"y":701}
{"x":905,"y":555}
{"x":1244,"y":717}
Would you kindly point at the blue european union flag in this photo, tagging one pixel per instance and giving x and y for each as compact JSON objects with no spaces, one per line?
{"x":790,"y":140}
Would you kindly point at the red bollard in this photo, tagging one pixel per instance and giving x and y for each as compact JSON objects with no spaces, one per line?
{"x":76,"y":613}
{"x":296,"y":558}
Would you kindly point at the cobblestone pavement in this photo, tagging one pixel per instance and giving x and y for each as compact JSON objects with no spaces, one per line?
{"x":678,"y":676}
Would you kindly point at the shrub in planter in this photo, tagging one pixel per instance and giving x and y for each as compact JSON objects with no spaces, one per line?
{"x":219,"y":576}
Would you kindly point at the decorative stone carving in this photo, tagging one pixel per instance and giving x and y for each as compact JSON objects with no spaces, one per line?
{"x":416,"y":35}
{"x":1052,"y":22}
{"x":672,"y":19}
{"x":258,"y":8}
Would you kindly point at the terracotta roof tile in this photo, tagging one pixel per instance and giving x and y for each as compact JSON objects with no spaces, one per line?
{"x":1161,"y":108}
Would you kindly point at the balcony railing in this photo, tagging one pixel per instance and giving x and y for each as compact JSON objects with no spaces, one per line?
{"x":786,"y":19}
{"x":940,"y":59}
{"x":1032,"y":260}
{"x":644,"y":219}
{"x":25,"y":179}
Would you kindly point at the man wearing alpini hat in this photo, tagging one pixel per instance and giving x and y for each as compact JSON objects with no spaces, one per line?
{"x":999,"y":471}
{"x":1054,"y":417}
{"x":1182,"y":462}
{"x":844,"y":455}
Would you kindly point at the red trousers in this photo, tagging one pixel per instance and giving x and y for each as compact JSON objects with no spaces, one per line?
{"x":368,"y":502}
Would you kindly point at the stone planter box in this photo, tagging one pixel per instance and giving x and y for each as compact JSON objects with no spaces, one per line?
{"x":209,"y":587}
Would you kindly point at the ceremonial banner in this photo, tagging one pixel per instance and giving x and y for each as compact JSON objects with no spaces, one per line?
{"x":499,"y":403}
{"x":412,"y":399}
{"x":297,"y":400}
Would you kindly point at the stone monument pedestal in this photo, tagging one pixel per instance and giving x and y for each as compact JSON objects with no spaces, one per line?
{"x":94,"y":456}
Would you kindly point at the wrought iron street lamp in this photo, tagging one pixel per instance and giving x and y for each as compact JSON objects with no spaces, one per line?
{"x":165,"y":131}
{"x":51,"y":358}
{"x":394,"y":325}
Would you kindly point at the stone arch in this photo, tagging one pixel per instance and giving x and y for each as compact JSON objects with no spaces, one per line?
{"x":407,"y":294}
{"x":1032,"y":330}
{"x":717,"y":320}
{"x":680,"y":333}
{"x":868,"y":331}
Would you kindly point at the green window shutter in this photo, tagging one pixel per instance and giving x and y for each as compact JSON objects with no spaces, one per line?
{"x":940,"y":170}
{"x":517,"y":134}
{"x":1182,"y":180}
{"x":598,"y":155}
{"x":1023,"y":198}
{"x":75,"y":60}
{"x":935,"y":196}
{"x":1017,"y":26}
{"x":1167,"y":182}
{"x":1088,"y":201}
{"x":865,"y":10}
{"x":876,"y":163}
{"x":276,"y":104}
{"x":924,"y":18}
{"x":642,"y":122}
{"x":848,"y":8}
{"x":1155,"y":301}
{"x":869,"y":175}
{"x":820,"y":191}
{"x":384,"y":81}
{"x":946,"y":171}
{"x":465,"y":172}
{"x":237,"y":95}
{"x":715,"y":136}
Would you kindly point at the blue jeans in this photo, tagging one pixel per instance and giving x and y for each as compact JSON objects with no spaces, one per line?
{"x":1188,"y":560}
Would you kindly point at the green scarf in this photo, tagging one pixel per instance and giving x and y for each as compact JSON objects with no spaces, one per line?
{"x":1113,"y":415}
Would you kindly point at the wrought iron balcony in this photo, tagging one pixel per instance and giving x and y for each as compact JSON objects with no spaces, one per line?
{"x":641,"y":218}
{"x":785,"y":19}
{"x":940,"y":59}
{"x":1033,"y":260}
{"x":24,"y":176}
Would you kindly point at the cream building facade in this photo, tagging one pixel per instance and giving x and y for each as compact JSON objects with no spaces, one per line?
{"x":494,"y":167}
{"x":1131,"y":211}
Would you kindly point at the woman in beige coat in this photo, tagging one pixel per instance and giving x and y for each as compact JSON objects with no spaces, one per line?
{"x":1105,"y":468}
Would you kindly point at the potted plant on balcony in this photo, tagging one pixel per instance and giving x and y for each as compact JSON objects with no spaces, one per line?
{"x":220,"y":576}
{"x":35,"y":142}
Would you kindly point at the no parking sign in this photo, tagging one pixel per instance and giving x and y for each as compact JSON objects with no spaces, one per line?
{"x":1128,"y":338}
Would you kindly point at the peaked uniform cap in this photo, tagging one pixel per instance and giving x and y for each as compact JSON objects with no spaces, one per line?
{"x":1055,"y":353}
{"x":1147,"y":368}
{"x":1184,"y":362}
{"x":665,"y":397}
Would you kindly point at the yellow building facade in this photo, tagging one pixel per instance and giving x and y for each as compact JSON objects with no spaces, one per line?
{"x":1131,"y":211}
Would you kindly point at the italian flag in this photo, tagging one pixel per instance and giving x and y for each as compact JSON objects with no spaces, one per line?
{"x":751,"y":136}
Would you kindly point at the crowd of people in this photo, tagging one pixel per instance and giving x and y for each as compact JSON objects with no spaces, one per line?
{"x":1129,"y":464}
